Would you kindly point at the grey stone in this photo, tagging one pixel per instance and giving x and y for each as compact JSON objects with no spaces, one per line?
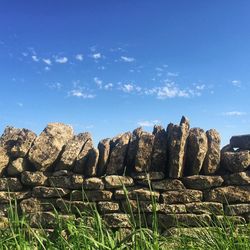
{"x":167,"y":184}
{"x":91,"y":195}
{"x":238,"y":179}
{"x":240,"y":141}
{"x":4,"y":160}
{"x":6,"y":197}
{"x":91,"y":164}
{"x":34,"y":205}
{"x":108,"y":207}
{"x":116,"y":181}
{"x":212,"y":208}
{"x":49,"y":192}
{"x":237,"y":209}
{"x":93,"y":183}
{"x":153,"y":176}
{"x":104,"y":148}
{"x":117,"y":220}
{"x":10,"y":184}
{"x":37,"y":178}
{"x":17,"y":166}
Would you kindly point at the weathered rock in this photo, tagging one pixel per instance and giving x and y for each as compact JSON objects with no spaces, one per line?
{"x":16,"y":167}
{"x":4,"y":222}
{"x":49,"y":144}
{"x":108,"y":207}
{"x":167,"y":184}
{"x":182,"y":196}
{"x":229,"y":220}
{"x":177,"y":136}
{"x":115,"y":181}
{"x":91,"y":195}
{"x":205,"y":208}
{"x":91,"y":164}
{"x":187,"y":231}
{"x":153,"y":176}
{"x":93,"y":183}
{"x":197,"y":146}
{"x":237,"y":209}
{"x":34,"y":178}
{"x":202,"y":182}
{"x":104,"y":148}
{"x":238,"y":179}
{"x":133,"y":145}
{"x":82,"y":157}
{"x":4,"y":160}
{"x":34,"y":205}
{"x":184,"y":220}
{"x":6,"y":197}
{"x":60,"y":181}
{"x":4,"y":210}
{"x":17,"y":142}
{"x":118,"y":152}
{"x":212,"y":160}
{"x":240,"y":141}
{"x":229,"y":194}
{"x":135,"y":206}
{"x":235,"y":161}
{"x":62,"y":173}
{"x":10,"y":184}
{"x":77,"y":181}
{"x":49,"y":192}
{"x":71,"y":151}
{"x":172,"y":209}
{"x":117,"y":220}
{"x":159,"y":155}
{"x":144,"y":152}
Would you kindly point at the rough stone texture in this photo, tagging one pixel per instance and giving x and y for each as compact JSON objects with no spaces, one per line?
{"x":153,"y":176}
{"x":37,"y":178}
{"x":104,"y":148}
{"x":144,"y":152}
{"x":186,"y":232}
{"x":17,"y":166}
{"x":116,"y":181}
{"x":240,"y":141}
{"x":118,"y":152}
{"x":205,"y":208}
{"x":202,"y":182}
{"x":77,"y":181}
{"x":6,"y":197}
{"x":91,"y":164}
{"x":108,"y":207}
{"x":167,"y":184}
{"x":93,"y":183}
{"x":49,"y":192}
{"x":238,"y":179}
{"x":71,"y":151}
{"x":75,"y":207}
{"x":235,"y":161}
{"x":117,"y":220}
{"x":229,"y":194}
{"x":139,"y":206}
{"x":159,"y":155}
{"x":34,"y":205}
{"x":237,"y":209}
{"x":172,"y":209}
{"x":82,"y":157}
{"x":17,"y":141}
{"x":197,"y":146}
{"x":4,"y":160}
{"x":181,"y":196}
{"x":60,"y":181}
{"x":91,"y":195}
{"x":212,"y":159}
{"x":10,"y":184}
{"x":49,"y":144}
{"x":229,"y":220}
{"x":177,"y":136}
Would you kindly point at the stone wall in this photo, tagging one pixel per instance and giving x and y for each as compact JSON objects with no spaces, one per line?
{"x":181,"y":169}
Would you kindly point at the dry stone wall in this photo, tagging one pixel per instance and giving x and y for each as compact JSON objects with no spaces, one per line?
{"x":181,"y":170}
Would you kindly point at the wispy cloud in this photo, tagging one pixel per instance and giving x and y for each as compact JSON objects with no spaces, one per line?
{"x":108,"y":86}
{"x":148,"y":123}
{"x":236,"y":83}
{"x":127,"y":59}
{"x":96,"y":56}
{"x":47,"y":61}
{"x":79,"y":57}
{"x":54,"y":85}
{"x":35,"y":58}
{"x":98,"y":82}
{"x":63,"y":59}
{"x":80,"y":94}
{"x":173,"y":74}
{"x":234,"y":113}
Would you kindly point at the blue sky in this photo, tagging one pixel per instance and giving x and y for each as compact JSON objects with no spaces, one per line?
{"x":111,"y":66}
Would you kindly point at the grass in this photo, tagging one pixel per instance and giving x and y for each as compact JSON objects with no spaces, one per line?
{"x":89,"y":231}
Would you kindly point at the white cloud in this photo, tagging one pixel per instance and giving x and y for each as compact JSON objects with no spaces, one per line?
{"x":97,"y":56}
{"x":236,"y":83}
{"x":47,"y":61}
{"x":25,"y":54}
{"x":47,"y":68}
{"x":55,"y":85}
{"x":98,"y":82}
{"x":127,"y":59}
{"x":234,"y":113}
{"x":79,"y":57}
{"x":108,"y":86}
{"x":34,"y":58}
{"x":173,"y":74}
{"x":200,"y":87}
{"x":63,"y":59}
{"x":80,"y":94}
{"x":148,"y":123}
{"x":127,"y":88}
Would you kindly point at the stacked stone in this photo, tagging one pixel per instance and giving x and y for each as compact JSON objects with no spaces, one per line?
{"x":175,"y":172}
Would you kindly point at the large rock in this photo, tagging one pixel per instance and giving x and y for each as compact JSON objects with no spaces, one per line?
{"x":37,"y":178}
{"x":212,"y":159}
{"x":235,"y":161}
{"x":91,"y":164}
{"x":34,"y":205}
{"x":241,"y":178}
{"x":71,"y":151}
{"x":104,"y":148}
{"x":49,"y":144}
{"x":17,"y":166}
{"x":240,"y":141}
{"x":196,"y":151}
{"x":159,"y":155}
{"x":118,"y":152}
{"x":177,"y":136}
{"x":144,"y":152}
{"x":82,"y":158}
{"x":17,"y":141}
{"x":93,"y":183}
{"x":4,"y":160}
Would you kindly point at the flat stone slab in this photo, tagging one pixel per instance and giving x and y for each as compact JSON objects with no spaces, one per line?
{"x":117,"y":220}
{"x":49,"y":192}
{"x":237,"y":209}
{"x":238,"y":179}
{"x":108,"y":207}
{"x":152,"y":175}
{"x":205,"y":208}
{"x":76,"y":207}
{"x":34,"y":205}
{"x":91,"y":195}
{"x":6,"y":197}
{"x":116,"y":181}
{"x":10,"y":184}
{"x":167,"y":184}
{"x":37,"y":178}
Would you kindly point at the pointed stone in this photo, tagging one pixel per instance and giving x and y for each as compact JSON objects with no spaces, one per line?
{"x":91,"y":165}
{"x":71,"y":151}
{"x":159,"y":156}
{"x":49,"y":144}
{"x":240,"y":141}
{"x":177,"y":136}
{"x":17,"y":166}
{"x":119,"y":147}
{"x":104,"y":148}
{"x":196,"y":151}
{"x":4,"y":160}
{"x":212,"y":159}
